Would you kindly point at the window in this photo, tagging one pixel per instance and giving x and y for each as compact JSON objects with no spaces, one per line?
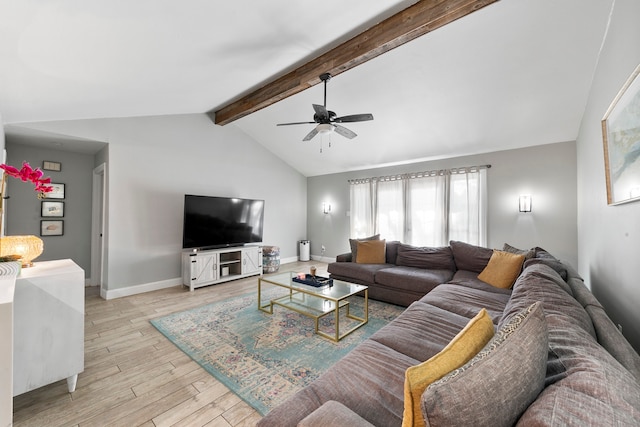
{"x":425,"y":209}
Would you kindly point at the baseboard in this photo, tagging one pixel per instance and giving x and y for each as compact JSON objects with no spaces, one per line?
{"x":289,"y":260}
{"x":313,"y":258}
{"x":163,"y":284}
{"x":323,"y":258}
{"x":140,"y":289}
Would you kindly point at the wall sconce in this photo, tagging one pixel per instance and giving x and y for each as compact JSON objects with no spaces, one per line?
{"x":524,"y":203}
{"x":326,"y":208}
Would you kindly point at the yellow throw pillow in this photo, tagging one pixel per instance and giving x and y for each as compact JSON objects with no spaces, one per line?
{"x":371,"y":252}
{"x":464,"y":346}
{"x":502,"y":270}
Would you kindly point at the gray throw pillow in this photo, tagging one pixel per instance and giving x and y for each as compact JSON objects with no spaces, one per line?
{"x":354,"y":245}
{"x":528,"y":254}
{"x":498,"y":385}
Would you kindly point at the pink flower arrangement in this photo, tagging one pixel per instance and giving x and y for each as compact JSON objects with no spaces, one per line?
{"x":27,"y":174}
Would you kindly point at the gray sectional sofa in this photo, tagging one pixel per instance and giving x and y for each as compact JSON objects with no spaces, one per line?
{"x":409,"y":272}
{"x":556,"y":359}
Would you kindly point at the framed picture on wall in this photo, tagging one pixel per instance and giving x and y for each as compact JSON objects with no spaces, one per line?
{"x":48,"y":165}
{"x":57,"y":193}
{"x":51,"y":227}
{"x":52,"y":209}
{"x":621,"y":135}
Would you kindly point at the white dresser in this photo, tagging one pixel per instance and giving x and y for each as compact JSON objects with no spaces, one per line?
{"x":48,"y":325}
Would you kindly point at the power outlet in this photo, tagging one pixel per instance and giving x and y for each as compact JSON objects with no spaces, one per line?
{"x":323,"y":249}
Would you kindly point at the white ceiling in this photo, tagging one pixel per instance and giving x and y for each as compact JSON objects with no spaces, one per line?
{"x":516,"y":73}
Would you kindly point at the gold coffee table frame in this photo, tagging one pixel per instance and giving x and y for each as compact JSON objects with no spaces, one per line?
{"x":315,"y":302}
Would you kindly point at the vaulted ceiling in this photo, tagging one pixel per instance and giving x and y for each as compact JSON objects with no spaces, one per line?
{"x":515,"y":73}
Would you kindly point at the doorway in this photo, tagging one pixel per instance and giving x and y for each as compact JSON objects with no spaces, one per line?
{"x":98,"y":228}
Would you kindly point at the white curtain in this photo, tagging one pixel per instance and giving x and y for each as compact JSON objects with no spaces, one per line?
{"x":426,"y":209}
{"x":390,"y":210}
{"x":467,"y":207}
{"x":362,"y":223}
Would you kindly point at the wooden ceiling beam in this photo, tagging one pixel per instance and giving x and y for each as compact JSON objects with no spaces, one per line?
{"x":409,"y":24}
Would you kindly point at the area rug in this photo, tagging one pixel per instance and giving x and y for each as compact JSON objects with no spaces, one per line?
{"x":265,"y":358}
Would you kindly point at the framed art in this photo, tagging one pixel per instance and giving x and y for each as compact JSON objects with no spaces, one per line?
{"x":51,"y":227}
{"x":621,"y":136}
{"x":55,"y":209}
{"x":51,"y":166}
{"x":57,"y":193}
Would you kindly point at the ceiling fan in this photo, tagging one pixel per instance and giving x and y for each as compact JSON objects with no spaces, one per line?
{"x":326,"y":120}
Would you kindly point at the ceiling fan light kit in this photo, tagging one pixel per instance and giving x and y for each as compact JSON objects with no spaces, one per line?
{"x":326,"y":119}
{"x":324,"y":128}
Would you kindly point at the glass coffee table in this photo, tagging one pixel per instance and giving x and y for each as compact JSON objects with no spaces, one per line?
{"x":315,"y":302}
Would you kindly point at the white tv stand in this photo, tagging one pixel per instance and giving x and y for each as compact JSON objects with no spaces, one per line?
{"x":208,"y":267}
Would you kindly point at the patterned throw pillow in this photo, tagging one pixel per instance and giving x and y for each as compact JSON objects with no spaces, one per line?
{"x":498,"y":385}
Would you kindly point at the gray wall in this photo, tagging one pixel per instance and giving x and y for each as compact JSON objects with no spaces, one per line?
{"x":547,"y":172}
{"x":609,"y":236}
{"x":154,"y":161}
{"x":23,"y":213}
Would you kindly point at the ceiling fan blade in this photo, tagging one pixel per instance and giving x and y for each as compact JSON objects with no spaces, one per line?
{"x":310,"y":135}
{"x":353,"y":118}
{"x":321,"y":111}
{"x":341,"y":130}
{"x":296,"y":123}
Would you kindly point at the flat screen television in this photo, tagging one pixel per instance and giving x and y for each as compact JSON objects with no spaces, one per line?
{"x":216,"y":222}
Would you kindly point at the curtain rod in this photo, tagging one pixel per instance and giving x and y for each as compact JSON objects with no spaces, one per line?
{"x":411,"y":175}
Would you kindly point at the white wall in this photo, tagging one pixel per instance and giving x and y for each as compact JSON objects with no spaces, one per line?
{"x":7,"y":287}
{"x":547,"y":172}
{"x":154,"y":161}
{"x":609,"y":236}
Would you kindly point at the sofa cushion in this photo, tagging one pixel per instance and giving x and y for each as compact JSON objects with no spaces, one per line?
{"x":557,"y":265}
{"x":470,"y":279}
{"x":611,"y":339}
{"x":371,"y":252}
{"x":470,"y":257}
{"x":412,"y":279}
{"x":528,"y":253}
{"x":368,"y":381}
{"x":496,"y":386}
{"x":334,"y":414}
{"x":421,"y":331}
{"x":502,"y":270}
{"x":465,"y":345}
{"x":392,"y":251}
{"x":594,"y":388}
{"x":353,"y":243}
{"x":357,"y":273}
{"x":541,"y":283}
{"x":465,"y":300}
{"x":440,"y":258}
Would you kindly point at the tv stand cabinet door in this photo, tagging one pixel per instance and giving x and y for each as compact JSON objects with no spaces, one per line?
{"x":204,"y":269}
{"x":251,"y":260}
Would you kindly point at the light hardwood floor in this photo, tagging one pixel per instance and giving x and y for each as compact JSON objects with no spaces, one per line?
{"x":134,"y":376}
